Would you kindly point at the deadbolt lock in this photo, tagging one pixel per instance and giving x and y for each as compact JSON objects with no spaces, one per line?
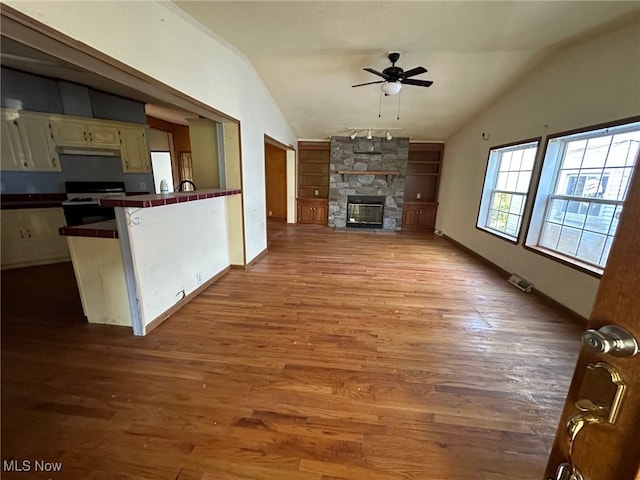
{"x":611,"y":339}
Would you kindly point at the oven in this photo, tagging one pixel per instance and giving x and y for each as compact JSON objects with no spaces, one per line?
{"x":82,"y":204}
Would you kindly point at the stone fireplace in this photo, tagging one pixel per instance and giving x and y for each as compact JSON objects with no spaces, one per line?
{"x":379,"y":169}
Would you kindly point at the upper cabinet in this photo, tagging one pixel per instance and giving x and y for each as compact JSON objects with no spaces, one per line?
{"x":134,"y":150}
{"x":30,"y":141}
{"x":84,"y":133}
{"x":27,"y":142}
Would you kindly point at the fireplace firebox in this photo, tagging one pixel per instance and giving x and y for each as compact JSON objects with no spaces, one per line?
{"x":365,"y":211}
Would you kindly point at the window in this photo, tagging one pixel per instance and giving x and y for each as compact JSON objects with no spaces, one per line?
{"x":506,"y":185}
{"x":583,"y":185}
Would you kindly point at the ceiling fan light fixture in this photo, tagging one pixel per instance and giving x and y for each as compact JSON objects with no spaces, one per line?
{"x":354,"y":135}
{"x":369,"y":134}
{"x":388,"y":135}
{"x":391,"y":88}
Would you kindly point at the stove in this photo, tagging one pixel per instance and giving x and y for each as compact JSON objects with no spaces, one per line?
{"x":82,"y":204}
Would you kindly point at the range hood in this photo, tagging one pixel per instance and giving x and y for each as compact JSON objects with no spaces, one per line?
{"x":90,"y":151}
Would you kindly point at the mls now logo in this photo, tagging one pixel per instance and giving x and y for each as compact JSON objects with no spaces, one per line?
{"x":28,"y":466}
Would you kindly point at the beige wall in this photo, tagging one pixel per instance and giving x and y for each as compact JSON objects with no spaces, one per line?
{"x":595,"y":82}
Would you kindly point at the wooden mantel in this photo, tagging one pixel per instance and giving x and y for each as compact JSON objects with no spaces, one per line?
{"x":368,"y":172}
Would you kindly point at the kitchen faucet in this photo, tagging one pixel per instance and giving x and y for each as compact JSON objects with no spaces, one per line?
{"x":180,"y":186}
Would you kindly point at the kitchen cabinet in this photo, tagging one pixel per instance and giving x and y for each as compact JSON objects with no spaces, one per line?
{"x":28,"y":144}
{"x":313,"y":211}
{"x":73,"y":132}
{"x":13,"y":153}
{"x":30,"y":237}
{"x":419,"y":216}
{"x":134,"y":150}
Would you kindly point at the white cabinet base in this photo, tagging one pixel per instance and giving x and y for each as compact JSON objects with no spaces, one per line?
{"x":97,"y":263}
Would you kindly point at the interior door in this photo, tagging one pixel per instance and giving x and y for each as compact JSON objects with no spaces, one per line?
{"x":604,"y":451}
{"x":276,"y":181}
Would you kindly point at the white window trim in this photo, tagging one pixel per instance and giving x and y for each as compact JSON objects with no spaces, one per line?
{"x":491,"y":172}
{"x":548,"y":180}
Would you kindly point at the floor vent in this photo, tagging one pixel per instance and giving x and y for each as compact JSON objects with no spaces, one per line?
{"x":521,"y":283}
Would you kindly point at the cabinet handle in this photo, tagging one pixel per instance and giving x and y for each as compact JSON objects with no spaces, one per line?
{"x":29,"y":233}
{"x":25,"y":164}
{"x":53,"y":162}
{"x":90,"y":137}
{"x":21,"y":234}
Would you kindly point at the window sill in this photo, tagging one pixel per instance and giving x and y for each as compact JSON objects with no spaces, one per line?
{"x":568,"y":261}
{"x":498,"y":234}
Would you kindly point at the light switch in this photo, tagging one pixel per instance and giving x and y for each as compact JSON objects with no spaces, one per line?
{"x":316,"y":192}
{"x":418,"y":196}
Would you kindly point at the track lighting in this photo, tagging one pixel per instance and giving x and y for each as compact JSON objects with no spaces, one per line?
{"x":355,"y":131}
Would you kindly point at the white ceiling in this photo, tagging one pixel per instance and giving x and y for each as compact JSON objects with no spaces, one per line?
{"x":309,"y":53}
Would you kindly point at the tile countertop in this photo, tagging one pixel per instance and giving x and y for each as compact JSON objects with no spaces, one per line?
{"x":31,"y":200}
{"x":106,"y":229}
{"x":159,"y":200}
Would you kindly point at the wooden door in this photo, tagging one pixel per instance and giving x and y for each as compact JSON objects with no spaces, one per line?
{"x":608,"y":452}
{"x":305,"y":212}
{"x":276,"y":181}
{"x":320,"y":211}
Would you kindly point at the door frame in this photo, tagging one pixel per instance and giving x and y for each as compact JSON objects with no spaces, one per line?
{"x":290,"y":159}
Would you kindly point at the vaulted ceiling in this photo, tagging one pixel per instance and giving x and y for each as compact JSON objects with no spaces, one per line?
{"x":309,"y":53}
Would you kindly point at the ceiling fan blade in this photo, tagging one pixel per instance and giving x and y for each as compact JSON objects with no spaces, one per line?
{"x":419,"y":83}
{"x":375,"y":72}
{"x":414,"y":71}
{"x":369,"y":83}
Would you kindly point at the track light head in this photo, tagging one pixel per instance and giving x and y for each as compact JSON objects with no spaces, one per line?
{"x":388,"y":135}
{"x":354,"y":135}
{"x":369,"y":134}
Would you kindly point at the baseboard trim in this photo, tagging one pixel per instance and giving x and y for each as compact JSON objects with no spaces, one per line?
{"x":546,"y":299}
{"x":163,"y":316}
{"x":257,"y":258}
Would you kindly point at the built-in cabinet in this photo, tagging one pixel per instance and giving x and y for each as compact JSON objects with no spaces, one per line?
{"x":134,"y":150}
{"x":313,"y":210}
{"x":30,"y":237}
{"x":421,"y":186}
{"x":69,"y":132}
{"x":27,"y":143}
{"x":313,"y":182}
{"x":30,"y":140}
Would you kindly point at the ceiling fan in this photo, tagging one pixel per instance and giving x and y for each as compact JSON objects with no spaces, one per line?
{"x":394,"y":77}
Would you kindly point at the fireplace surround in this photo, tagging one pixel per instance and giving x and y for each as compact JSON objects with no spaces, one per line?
{"x":379,"y":169}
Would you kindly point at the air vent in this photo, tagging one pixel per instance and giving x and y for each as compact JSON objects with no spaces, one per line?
{"x":521,"y":283}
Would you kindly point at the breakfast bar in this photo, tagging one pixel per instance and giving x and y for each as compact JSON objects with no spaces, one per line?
{"x":159,"y":252}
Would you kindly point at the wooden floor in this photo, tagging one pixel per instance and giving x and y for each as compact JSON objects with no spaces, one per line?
{"x":338,"y":355}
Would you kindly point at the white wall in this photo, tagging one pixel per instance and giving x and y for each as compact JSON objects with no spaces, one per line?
{"x":157,"y":39}
{"x":594,"y":82}
{"x":174,"y":249}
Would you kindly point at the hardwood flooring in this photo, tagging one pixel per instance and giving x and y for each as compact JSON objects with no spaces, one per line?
{"x":337,"y":356}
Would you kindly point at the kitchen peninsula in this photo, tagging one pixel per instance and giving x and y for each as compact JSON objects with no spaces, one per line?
{"x":159,"y":252}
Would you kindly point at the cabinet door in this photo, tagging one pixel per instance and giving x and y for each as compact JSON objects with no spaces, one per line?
{"x":428,"y":217}
{"x":104,"y":135}
{"x":410,"y":216}
{"x":41,"y":225}
{"x":35,"y":132}
{"x":69,"y":133}
{"x":305,"y":212}
{"x":320,"y":213}
{"x":14,"y":239}
{"x":135,"y":154}
{"x":13,"y":154}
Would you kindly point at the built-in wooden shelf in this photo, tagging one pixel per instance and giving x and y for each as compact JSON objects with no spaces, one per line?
{"x":368,"y":172}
